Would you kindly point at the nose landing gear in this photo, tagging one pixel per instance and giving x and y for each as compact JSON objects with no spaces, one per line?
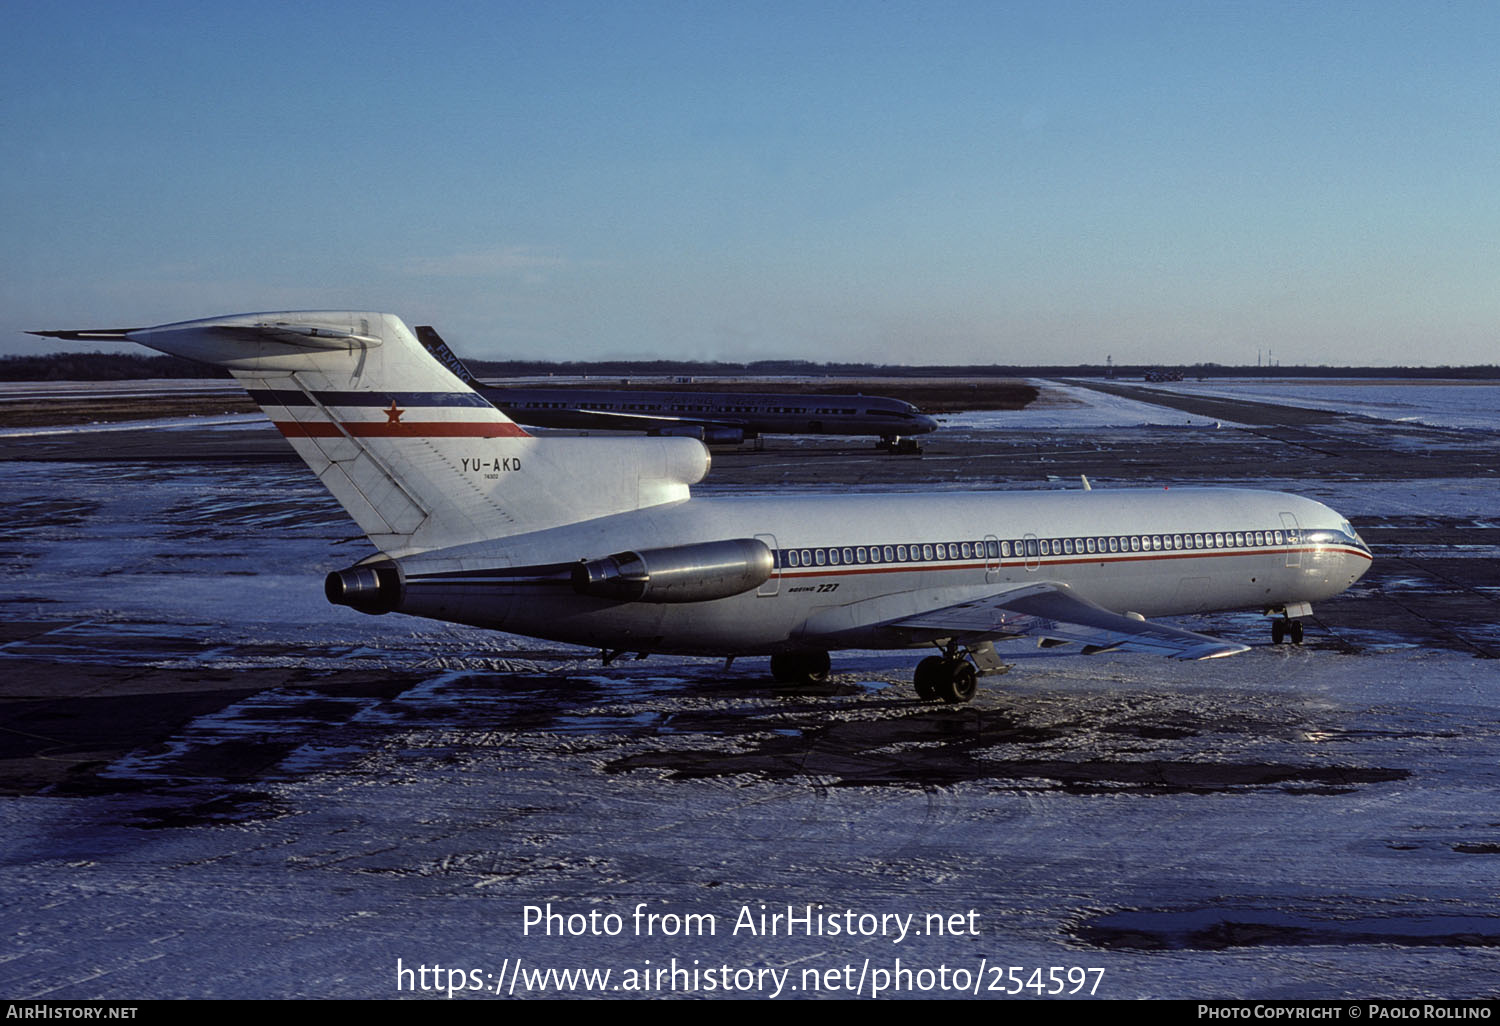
{"x":1285,"y":628}
{"x":1287,"y":624}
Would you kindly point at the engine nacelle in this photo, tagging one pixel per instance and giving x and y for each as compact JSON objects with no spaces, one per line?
{"x":707,"y":434}
{"x":724,"y":435}
{"x":372,"y":588}
{"x":682,"y":573}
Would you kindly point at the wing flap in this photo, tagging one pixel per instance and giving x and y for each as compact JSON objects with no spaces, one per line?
{"x":1053,"y":611}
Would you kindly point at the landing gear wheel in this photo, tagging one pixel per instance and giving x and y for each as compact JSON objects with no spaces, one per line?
{"x":960,"y":682}
{"x":801,"y":667}
{"x":1286,"y":629}
{"x":930,"y":674}
{"x":815,"y":667}
{"x":951,"y":679}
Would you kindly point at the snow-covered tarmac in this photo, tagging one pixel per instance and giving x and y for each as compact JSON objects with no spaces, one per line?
{"x":219,"y":785}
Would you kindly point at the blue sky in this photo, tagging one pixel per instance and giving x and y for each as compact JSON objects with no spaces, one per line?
{"x":896,"y":182}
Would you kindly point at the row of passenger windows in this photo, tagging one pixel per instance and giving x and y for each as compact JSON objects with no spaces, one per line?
{"x":992,"y":549}
{"x":681,"y":408}
{"x":698,"y":408}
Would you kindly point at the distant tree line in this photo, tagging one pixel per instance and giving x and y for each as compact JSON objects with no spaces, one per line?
{"x":806,"y":368}
{"x":120,"y":366}
{"x":103,"y":367}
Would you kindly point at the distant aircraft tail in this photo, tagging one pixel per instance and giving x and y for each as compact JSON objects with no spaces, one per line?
{"x":438,"y":349}
{"x":417,"y":458}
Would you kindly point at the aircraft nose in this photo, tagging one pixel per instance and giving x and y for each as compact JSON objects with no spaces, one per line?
{"x":1357,"y":563}
{"x":922,"y":424}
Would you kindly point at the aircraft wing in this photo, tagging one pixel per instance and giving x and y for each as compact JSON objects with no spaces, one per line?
{"x":1053,"y":611}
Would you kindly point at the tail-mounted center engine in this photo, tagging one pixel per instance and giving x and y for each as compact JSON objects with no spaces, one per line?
{"x":373,"y":588}
{"x":682,"y":573}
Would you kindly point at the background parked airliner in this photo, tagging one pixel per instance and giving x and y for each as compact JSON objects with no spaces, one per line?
{"x":716,"y":417}
{"x":597,"y":541}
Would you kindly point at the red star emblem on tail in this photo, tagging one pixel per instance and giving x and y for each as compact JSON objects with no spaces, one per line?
{"x":393,"y":413}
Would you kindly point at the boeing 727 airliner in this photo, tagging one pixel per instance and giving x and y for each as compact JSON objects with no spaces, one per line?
{"x":716,"y":417}
{"x":598,"y":541}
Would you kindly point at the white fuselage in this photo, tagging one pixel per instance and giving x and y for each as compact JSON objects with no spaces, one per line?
{"x":846,"y":565}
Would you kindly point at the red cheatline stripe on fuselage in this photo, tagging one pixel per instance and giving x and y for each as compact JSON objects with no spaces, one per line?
{"x":415,"y":429}
{"x":1018,"y":563}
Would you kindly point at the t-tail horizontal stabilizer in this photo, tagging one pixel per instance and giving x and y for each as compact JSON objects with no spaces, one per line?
{"x":97,"y":335}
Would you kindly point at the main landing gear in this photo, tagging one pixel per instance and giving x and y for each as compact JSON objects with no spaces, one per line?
{"x":800,"y":667}
{"x":897,"y":445}
{"x":953,"y":676}
{"x":950,"y":678}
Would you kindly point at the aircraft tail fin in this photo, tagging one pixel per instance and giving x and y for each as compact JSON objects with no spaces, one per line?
{"x":418,"y":459}
{"x":439,"y":351}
